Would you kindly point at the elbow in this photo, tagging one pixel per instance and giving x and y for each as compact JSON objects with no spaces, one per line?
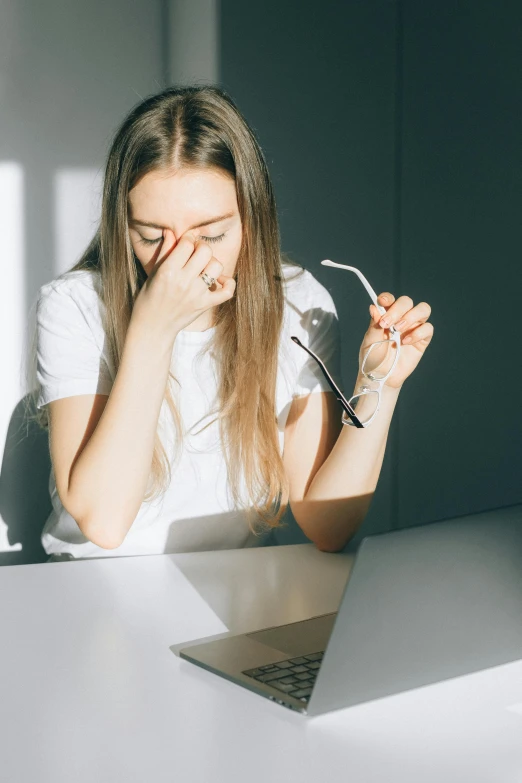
{"x":334,"y":543}
{"x":98,"y":534}
{"x":329,"y":547}
{"x":337,"y":540}
{"x":92,"y":528}
{"x":105,"y":543}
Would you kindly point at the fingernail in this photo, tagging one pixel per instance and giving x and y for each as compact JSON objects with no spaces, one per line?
{"x":400,"y":324}
{"x":385,"y":323}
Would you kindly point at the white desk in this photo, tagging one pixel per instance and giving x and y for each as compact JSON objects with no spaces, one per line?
{"x":90,"y":691}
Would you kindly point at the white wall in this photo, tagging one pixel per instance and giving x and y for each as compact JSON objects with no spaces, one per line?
{"x":69,"y":72}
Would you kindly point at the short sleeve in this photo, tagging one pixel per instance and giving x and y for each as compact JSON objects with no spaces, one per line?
{"x":69,"y":358}
{"x":321,"y":326}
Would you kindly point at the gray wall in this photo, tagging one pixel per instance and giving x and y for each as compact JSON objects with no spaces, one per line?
{"x":392,"y":130}
{"x":460,"y":247}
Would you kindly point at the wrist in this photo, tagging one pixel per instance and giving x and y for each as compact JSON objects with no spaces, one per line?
{"x":161,"y":342}
{"x":386,"y":391}
{"x":365,"y":407}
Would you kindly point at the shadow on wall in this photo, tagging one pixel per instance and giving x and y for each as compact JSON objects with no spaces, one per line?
{"x":25,"y":502}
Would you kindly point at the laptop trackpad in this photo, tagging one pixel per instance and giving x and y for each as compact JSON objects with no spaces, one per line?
{"x":306,"y":636}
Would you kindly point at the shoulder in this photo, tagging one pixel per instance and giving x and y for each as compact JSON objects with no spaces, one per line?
{"x":311,"y":316}
{"x":304,"y":293}
{"x":73,"y":297}
{"x":83,"y":283}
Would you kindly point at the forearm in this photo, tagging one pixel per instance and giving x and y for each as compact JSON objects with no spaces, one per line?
{"x":109,"y":479}
{"x":341,"y":491}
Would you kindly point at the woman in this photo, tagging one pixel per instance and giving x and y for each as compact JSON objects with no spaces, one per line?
{"x":181,"y":415}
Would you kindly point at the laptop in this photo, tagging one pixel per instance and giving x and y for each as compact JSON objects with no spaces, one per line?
{"x":420,"y":605}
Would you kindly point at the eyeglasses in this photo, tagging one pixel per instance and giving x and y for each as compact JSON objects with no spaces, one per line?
{"x":378,"y":363}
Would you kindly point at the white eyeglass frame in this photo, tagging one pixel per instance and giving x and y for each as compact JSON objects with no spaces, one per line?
{"x":349,"y":415}
{"x":394,"y":337}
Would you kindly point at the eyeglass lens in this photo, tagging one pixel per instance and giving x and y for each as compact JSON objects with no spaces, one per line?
{"x":365,"y":404}
{"x":379,"y":360}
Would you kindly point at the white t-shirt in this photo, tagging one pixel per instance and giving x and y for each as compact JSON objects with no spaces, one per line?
{"x":196,"y":512}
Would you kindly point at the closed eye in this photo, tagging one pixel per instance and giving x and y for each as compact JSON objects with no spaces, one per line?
{"x":213,"y":239}
{"x":144,"y":241}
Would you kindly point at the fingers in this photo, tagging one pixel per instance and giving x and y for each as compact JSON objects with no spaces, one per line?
{"x":178,"y":253}
{"x":417,"y":315}
{"x":420,"y":337}
{"x":191,"y":256}
{"x":376,"y":317}
{"x":402,"y":314}
{"x":225,"y":290}
{"x":397,"y":310}
{"x":386,"y":299}
{"x":228,"y":287}
{"x":203,"y":260}
{"x":214,"y":269}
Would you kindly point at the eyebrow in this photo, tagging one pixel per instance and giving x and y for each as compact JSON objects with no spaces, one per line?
{"x":197,"y":225}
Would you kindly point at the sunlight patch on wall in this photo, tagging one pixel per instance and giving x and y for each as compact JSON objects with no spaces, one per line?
{"x":77,"y":209}
{"x":12,"y":303}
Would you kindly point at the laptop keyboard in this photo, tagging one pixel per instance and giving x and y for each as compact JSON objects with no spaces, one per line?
{"x":295,"y":676}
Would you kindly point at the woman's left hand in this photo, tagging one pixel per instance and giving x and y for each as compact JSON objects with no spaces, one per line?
{"x":411,"y":321}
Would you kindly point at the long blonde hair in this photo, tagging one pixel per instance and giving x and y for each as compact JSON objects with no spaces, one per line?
{"x":201,"y":127}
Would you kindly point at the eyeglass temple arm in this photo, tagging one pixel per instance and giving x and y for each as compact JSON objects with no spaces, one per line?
{"x":373,"y":295}
{"x":338,"y":393}
{"x":364,"y":281}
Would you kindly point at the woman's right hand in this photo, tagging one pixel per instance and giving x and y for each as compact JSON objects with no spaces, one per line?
{"x":174,"y":295}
